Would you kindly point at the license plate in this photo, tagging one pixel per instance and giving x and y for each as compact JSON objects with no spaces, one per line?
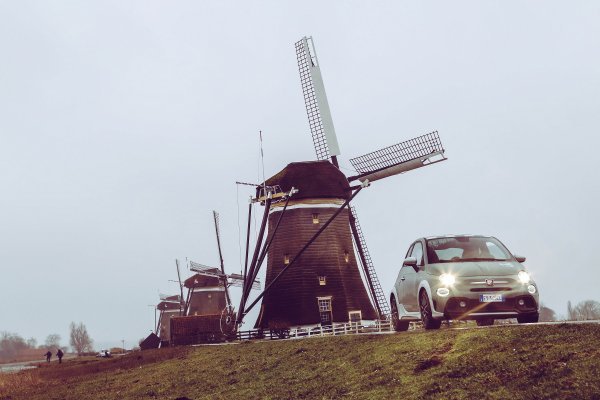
{"x":491,"y":298}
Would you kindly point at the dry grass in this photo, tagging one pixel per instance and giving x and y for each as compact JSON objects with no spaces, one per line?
{"x":517,"y":362}
{"x":13,"y":383}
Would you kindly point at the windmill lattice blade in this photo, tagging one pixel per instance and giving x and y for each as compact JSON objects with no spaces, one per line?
{"x":366,"y":261}
{"x":401,"y":157}
{"x":237,"y":280}
{"x":204,"y":269}
{"x":315,"y":99}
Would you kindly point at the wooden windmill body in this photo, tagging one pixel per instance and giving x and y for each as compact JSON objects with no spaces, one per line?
{"x":319,"y":270}
{"x":325,"y":286}
{"x":168,"y":308}
{"x":206,"y":294}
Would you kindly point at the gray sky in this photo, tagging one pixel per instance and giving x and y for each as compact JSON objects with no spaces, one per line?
{"x":123,"y":124}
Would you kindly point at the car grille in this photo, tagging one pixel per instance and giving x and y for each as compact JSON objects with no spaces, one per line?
{"x":491,"y":289}
{"x":454,"y":309}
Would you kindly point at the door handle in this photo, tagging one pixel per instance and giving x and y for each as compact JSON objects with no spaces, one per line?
{"x":403,"y":279}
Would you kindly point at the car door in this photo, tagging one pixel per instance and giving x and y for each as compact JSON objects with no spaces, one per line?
{"x":411,"y":279}
{"x":404,"y":278}
{"x":399,"y":285}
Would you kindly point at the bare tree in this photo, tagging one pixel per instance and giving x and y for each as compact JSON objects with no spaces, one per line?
{"x":10,"y":345}
{"x":584,"y":310}
{"x":32,"y":343}
{"x":571,"y":315}
{"x":53,"y":340}
{"x":80,"y":340}
{"x":588,"y":309}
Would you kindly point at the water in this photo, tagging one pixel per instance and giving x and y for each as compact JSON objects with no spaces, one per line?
{"x":15,"y":367}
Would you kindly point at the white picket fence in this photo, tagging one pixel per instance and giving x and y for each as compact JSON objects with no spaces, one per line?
{"x":350,"y":328}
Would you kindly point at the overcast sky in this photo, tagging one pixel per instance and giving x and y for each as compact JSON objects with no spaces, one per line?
{"x":124,"y":123}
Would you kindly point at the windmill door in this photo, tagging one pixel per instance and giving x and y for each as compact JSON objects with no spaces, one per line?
{"x":325,"y":310}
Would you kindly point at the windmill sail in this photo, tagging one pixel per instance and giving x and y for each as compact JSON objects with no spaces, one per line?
{"x":369,"y":269}
{"x":414,"y":153}
{"x":237,"y":280}
{"x":204,"y":269}
{"x":317,"y":107}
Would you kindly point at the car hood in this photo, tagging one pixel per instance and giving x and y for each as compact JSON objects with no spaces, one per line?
{"x":477,"y":268}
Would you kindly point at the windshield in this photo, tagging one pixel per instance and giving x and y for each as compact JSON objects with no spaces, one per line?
{"x":464,"y":249}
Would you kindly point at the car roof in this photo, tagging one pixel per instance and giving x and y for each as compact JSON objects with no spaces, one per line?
{"x":452,"y":236}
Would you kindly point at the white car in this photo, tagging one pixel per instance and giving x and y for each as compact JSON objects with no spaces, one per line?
{"x":104,"y":353}
{"x":462,"y":277}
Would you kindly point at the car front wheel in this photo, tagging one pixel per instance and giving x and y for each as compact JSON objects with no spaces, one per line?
{"x":397,"y":323}
{"x":426,"y":313}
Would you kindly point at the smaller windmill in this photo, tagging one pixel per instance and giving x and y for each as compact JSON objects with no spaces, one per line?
{"x":208,"y":294}
{"x":169,"y":307}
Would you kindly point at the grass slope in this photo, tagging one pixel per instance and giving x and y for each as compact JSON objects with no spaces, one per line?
{"x":517,"y":362}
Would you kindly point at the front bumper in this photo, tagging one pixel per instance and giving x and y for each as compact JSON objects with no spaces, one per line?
{"x":473,"y":308}
{"x":463,"y":300}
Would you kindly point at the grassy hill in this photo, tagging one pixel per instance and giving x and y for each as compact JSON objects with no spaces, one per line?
{"x":517,"y":362}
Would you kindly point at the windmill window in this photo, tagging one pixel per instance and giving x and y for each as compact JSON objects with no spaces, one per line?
{"x":324,"y":305}
{"x":322,"y":280}
{"x":346,"y":256}
{"x":286,"y":259}
{"x":325,"y":310}
{"x":355,"y":316}
{"x":315,"y":218}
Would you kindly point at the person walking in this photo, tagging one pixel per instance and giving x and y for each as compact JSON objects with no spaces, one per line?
{"x":48,"y":356}
{"x":60,"y":355}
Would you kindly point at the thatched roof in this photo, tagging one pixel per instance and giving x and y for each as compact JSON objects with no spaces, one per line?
{"x":313,"y":179}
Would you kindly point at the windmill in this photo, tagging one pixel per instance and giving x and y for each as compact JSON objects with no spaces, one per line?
{"x":169,"y":307}
{"x":313,"y":273}
{"x":208,"y":298}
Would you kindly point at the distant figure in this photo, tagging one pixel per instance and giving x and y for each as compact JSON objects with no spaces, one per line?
{"x":60,"y":355}
{"x":48,"y":356}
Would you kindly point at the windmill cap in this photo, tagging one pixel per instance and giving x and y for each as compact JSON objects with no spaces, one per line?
{"x":313,"y":179}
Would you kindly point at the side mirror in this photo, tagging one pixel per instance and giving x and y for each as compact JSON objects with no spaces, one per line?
{"x":519,"y":258}
{"x":410,"y":261}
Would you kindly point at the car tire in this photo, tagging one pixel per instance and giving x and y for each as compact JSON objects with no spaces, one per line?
{"x":485,"y":322}
{"x":426,"y":313}
{"x":528,"y":319}
{"x":397,"y":323}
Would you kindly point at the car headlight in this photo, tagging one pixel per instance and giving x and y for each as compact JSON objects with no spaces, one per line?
{"x":524,"y":277}
{"x":447,"y":279}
